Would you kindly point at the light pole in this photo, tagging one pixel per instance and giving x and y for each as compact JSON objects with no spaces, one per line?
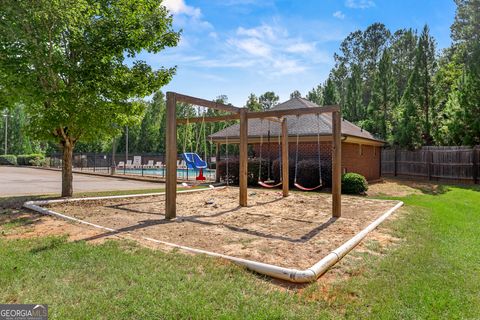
{"x":6,"y":116}
{"x":126,"y":150}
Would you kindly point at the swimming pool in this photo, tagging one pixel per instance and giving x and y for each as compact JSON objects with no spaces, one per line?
{"x":185,"y":174}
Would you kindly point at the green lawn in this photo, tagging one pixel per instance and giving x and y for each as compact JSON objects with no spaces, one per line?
{"x":434,"y":273}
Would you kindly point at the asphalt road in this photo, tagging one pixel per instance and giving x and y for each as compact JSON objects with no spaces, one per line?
{"x":17,"y":181}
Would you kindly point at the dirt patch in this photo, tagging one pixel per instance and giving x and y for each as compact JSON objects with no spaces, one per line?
{"x":403,"y":188}
{"x":292,"y":232}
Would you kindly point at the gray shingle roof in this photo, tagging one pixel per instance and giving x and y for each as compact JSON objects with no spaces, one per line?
{"x":305,"y":125}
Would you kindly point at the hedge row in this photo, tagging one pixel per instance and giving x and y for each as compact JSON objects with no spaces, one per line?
{"x":8,"y":159}
{"x":35,"y":159}
{"x":233,"y":171}
{"x":23,"y":159}
{"x":307,"y":172}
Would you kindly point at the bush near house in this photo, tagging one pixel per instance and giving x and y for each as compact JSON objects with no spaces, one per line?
{"x":354,"y":183}
{"x":233,"y":171}
{"x":8,"y":159}
{"x":34,"y":159}
{"x":307,"y":172}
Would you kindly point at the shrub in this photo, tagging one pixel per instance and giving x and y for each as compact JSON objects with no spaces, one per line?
{"x":35,"y":159}
{"x":8,"y":159}
{"x":354,"y":183}
{"x":307,"y":172}
{"x":277,"y":172}
{"x":233,"y":171}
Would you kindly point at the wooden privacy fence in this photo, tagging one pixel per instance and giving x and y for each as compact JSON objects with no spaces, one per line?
{"x":433,"y":163}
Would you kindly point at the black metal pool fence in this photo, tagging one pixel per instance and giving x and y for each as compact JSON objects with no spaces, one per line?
{"x":144,"y":164}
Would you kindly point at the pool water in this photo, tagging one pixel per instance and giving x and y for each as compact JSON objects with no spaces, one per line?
{"x":181,"y":173}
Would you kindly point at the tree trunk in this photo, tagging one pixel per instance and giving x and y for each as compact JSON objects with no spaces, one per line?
{"x":67,"y":175}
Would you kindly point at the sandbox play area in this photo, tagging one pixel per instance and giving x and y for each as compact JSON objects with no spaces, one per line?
{"x":284,"y":234}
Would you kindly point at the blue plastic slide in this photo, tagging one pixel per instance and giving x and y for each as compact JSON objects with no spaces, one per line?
{"x":193,"y":160}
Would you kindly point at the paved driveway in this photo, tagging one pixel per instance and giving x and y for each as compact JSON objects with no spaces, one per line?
{"x":17,"y":181}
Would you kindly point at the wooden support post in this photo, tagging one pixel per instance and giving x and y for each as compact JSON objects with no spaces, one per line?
{"x":171,"y":162}
{"x":243,"y":161}
{"x":217,"y":160}
{"x":285,"y":169}
{"x":337,"y":165}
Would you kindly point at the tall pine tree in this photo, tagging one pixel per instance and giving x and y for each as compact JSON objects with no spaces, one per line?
{"x":383,"y":99}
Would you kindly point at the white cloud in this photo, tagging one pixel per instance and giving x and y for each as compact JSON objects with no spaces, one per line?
{"x":287,"y":66}
{"x":180,"y":7}
{"x":359,"y":4}
{"x":213,"y":35}
{"x":301,"y":47}
{"x":261,"y":32}
{"x":339,"y":14}
{"x":271,"y":50}
{"x":252,"y":46}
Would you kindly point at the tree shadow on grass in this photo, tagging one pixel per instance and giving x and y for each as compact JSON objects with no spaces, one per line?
{"x":52,"y":243}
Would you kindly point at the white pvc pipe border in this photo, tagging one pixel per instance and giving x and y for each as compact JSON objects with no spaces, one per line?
{"x":293,"y":275}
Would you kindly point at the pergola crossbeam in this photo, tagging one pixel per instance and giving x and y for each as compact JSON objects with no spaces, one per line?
{"x":206,"y":103}
{"x":273,"y":115}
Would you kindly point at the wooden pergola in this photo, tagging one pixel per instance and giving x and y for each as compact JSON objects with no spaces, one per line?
{"x":243,"y":115}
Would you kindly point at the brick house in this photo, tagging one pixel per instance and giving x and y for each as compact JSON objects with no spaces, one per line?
{"x":360,"y":149}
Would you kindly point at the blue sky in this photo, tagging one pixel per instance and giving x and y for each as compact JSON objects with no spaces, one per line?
{"x":238,"y":47}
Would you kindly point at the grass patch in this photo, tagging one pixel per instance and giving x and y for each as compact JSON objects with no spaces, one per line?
{"x":434,"y":273}
{"x":81,"y":281}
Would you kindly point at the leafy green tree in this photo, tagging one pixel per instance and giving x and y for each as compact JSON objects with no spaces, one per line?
{"x":329,"y":93}
{"x":253,"y":104}
{"x":268,"y":100}
{"x":67,"y":61}
{"x":295,"y":94}
{"x":19,"y":142}
{"x":466,"y":26}
{"x":149,"y":134}
{"x":316,"y":95}
{"x":458,"y":80}
{"x":445,"y":99}
{"x":468,"y":114}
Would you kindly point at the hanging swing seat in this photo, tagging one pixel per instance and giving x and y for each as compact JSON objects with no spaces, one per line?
{"x":305,"y":188}
{"x":320,"y":183}
{"x":266,"y":184}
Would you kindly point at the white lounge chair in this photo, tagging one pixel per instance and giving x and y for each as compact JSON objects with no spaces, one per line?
{"x":137,"y":161}
{"x":150,"y":164}
{"x":129,"y":164}
{"x":158,"y":164}
{"x":121,"y":164}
